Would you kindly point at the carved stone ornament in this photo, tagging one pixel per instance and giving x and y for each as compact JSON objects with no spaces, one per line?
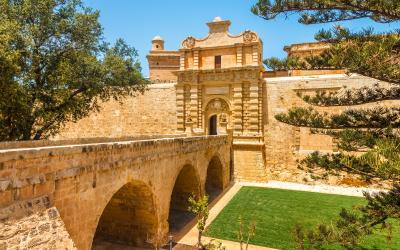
{"x":223,"y":118}
{"x":189,"y":118}
{"x":189,"y":43}
{"x":249,"y":36}
{"x":217,"y":105}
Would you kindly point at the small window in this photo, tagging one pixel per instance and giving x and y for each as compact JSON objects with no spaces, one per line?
{"x":217,"y":62}
{"x":157,"y":46}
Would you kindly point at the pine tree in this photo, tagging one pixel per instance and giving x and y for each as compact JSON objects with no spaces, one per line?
{"x":368,"y":138}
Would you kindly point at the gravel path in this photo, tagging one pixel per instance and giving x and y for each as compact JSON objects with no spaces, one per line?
{"x":320,"y":188}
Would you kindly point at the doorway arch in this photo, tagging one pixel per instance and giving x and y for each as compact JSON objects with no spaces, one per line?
{"x":214,"y":180}
{"x":212,"y":127}
{"x":129,"y":218}
{"x":216,"y":116}
{"x":187,"y":183}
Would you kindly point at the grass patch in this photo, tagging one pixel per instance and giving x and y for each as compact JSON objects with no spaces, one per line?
{"x":277,"y":211}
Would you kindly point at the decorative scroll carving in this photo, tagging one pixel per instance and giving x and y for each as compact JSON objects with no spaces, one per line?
{"x":249,"y":36}
{"x":189,"y":43}
{"x":217,"y":106}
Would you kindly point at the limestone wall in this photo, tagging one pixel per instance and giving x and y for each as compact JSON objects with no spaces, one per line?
{"x":44,"y":188}
{"x":284,"y":143}
{"x":40,"y":230}
{"x":154,"y":112}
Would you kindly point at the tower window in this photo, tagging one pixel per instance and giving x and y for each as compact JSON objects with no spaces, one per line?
{"x":217,"y":62}
{"x":157,"y":46}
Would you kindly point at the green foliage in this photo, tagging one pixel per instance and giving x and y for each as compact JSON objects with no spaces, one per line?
{"x":199,"y":207}
{"x":355,"y":96}
{"x":367,"y":137}
{"x":359,"y":139}
{"x":277,"y":211}
{"x":377,"y":117}
{"x":55,"y":67}
{"x":288,"y":63}
{"x":324,"y":11}
{"x":353,"y":226}
{"x":251,"y":230}
{"x":214,"y":245}
{"x":359,"y":52}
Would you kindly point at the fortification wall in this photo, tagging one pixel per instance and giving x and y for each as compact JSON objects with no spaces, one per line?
{"x":286,"y":144}
{"x":154,"y":112}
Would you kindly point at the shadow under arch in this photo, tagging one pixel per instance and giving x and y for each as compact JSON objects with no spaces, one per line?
{"x":130,"y":218}
{"x":186,"y":184}
{"x":214,"y":180}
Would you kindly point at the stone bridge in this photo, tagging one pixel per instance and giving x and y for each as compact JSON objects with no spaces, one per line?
{"x":133,"y":192}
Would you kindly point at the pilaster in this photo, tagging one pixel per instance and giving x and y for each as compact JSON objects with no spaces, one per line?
{"x":194,"y":98}
{"x":254,"y":54}
{"x":237,"y":109}
{"x":182,"y":60}
{"x":180,"y":108}
{"x":239,"y":56}
{"x":246,"y":107}
{"x":253,"y":109}
{"x":196,"y":59}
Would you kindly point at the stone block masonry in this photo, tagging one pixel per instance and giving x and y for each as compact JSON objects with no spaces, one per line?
{"x":153,"y":113}
{"x":96,"y":188}
{"x":37,"y":231}
{"x":285,"y":144}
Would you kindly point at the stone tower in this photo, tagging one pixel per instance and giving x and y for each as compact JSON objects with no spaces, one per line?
{"x":157,"y":43}
{"x":162,"y":62}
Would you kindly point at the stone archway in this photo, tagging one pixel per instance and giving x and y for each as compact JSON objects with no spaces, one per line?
{"x":130,"y":218}
{"x":218,"y":109}
{"x":214,"y":180}
{"x":187,"y":183}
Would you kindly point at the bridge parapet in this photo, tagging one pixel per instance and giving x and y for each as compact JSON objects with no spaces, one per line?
{"x":78,"y":180}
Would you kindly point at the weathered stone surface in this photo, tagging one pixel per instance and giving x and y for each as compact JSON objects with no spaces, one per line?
{"x":116,"y":190}
{"x":286,"y":144}
{"x":234,"y":95}
{"x":34,"y":232}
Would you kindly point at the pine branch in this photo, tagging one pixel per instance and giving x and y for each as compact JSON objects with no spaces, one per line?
{"x":323,"y":11}
{"x":354,"y":96}
{"x":378,"y":117}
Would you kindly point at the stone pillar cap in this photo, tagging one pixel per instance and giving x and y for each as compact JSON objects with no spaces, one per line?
{"x":157,"y":38}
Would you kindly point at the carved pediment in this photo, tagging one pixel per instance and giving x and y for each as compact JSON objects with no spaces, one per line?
{"x":189,"y":43}
{"x":249,"y":36}
{"x":219,"y":36}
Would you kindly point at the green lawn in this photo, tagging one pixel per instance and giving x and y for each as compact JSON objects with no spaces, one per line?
{"x":277,"y":211}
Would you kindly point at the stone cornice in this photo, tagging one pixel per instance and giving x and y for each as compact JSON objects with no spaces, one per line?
{"x":220,"y":46}
{"x":232,"y":75}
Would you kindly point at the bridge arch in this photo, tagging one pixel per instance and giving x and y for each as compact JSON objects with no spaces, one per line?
{"x":129,"y":218}
{"x":214,"y":184}
{"x":187,"y":183}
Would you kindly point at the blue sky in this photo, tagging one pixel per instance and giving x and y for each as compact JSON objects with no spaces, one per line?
{"x":137,"y":22}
